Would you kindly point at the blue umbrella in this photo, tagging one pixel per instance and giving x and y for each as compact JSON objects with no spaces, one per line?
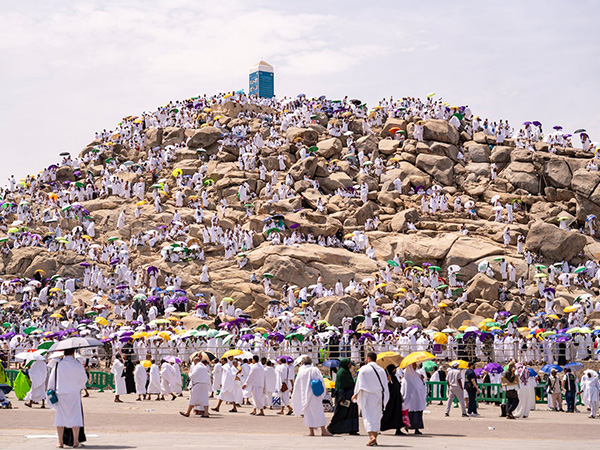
{"x":548,"y":368}
{"x":330,"y":363}
{"x":574,"y":366}
{"x":532,"y":373}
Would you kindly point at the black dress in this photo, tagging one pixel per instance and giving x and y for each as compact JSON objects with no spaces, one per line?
{"x":345,"y":418}
{"x":129,"y":378}
{"x":392,"y":414}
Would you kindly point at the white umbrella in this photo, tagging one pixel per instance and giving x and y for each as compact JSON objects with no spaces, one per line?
{"x":30,"y":356}
{"x":454,"y":268}
{"x":494,"y":199}
{"x":497,"y":208}
{"x":75,"y":342}
{"x":299,"y":359}
{"x":399,"y":319}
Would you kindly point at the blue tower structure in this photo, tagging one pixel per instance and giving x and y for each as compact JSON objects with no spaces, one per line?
{"x":262,"y":80}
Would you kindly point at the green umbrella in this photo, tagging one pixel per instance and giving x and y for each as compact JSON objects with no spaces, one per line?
{"x":540,"y":267}
{"x":91,"y":313}
{"x":267,"y":275}
{"x":408,"y":263}
{"x":45,"y":345}
{"x":29,"y":330}
{"x":436,"y":268}
{"x":208,"y":181}
{"x":392,"y":263}
{"x":429,"y":366}
{"x":270,"y":230}
{"x":314,"y":148}
{"x":442,"y":286}
{"x":359,"y":318}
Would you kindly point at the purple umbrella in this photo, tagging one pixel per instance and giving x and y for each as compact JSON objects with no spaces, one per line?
{"x":85,"y":321}
{"x":135,"y":322}
{"x":384,"y":332}
{"x":151,"y":269}
{"x":115,"y":261}
{"x":105,"y":340}
{"x":349,"y":331}
{"x":201,"y":305}
{"x":493,"y":368}
{"x":286,"y":359}
{"x":84,"y":264}
{"x":247,"y":337}
{"x":503,"y":314}
{"x":152,"y":299}
{"x":383,"y":312}
{"x":122,"y":286}
{"x":563,"y":339}
{"x":125,"y":338}
{"x":294,"y":225}
{"x":478,"y":372}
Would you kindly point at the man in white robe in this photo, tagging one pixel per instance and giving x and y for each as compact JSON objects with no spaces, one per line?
{"x":199,"y":383}
{"x":167,"y":380}
{"x":119,"y":378}
{"x":270,"y":381}
{"x":154,"y":383}
{"x":217,"y":377}
{"x":38,"y":373}
{"x":67,"y":379}
{"x":304,"y":400}
{"x":140,"y":376}
{"x":255,"y":385}
{"x":231,"y":390}
{"x":285,"y":380}
{"x":372,"y":394}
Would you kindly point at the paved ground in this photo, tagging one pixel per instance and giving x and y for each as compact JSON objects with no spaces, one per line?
{"x":157,"y":425}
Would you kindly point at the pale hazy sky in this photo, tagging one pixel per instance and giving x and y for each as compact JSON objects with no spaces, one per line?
{"x":70,"y":68}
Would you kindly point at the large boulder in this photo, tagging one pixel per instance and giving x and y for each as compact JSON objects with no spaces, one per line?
{"x":388,"y":146}
{"x":478,"y":153}
{"x":440,"y":167}
{"x":440,"y":130}
{"x":399,"y":220}
{"x":329,"y":148}
{"x":482,"y":286}
{"x":306,"y":166}
{"x":308,"y":136}
{"x":204,"y":137}
{"x":554,"y":243}
{"x":334,"y":309}
{"x":390,"y":123}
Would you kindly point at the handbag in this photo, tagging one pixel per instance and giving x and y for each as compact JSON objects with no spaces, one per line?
{"x":405,"y":418}
{"x":317,"y":387}
{"x":51,"y":394}
{"x":284,"y":387}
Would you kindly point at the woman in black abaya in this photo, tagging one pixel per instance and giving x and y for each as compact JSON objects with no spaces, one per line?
{"x":345,"y":414}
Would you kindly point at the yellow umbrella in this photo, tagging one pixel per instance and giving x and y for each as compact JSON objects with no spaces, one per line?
{"x":55,"y":290}
{"x":462,"y":328}
{"x":101,"y":321}
{"x":462,"y":364}
{"x":570,"y":309}
{"x":329,"y":384}
{"x":443,"y":305}
{"x":234,"y":352}
{"x":173,"y":319}
{"x":177,"y":172}
{"x":56,"y":316}
{"x":260,"y":330}
{"x":416,"y":357}
{"x":552,"y":316}
{"x":165,"y":336}
{"x":145,"y":363}
{"x":380,"y":285}
{"x":384,"y":359}
{"x":440,"y":338}
{"x":523,"y":329}
{"x":142,"y":203}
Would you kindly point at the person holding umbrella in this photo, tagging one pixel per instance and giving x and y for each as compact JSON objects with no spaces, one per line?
{"x":65,"y":383}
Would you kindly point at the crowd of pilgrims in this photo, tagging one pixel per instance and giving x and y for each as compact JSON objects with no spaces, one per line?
{"x":111,"y":273}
